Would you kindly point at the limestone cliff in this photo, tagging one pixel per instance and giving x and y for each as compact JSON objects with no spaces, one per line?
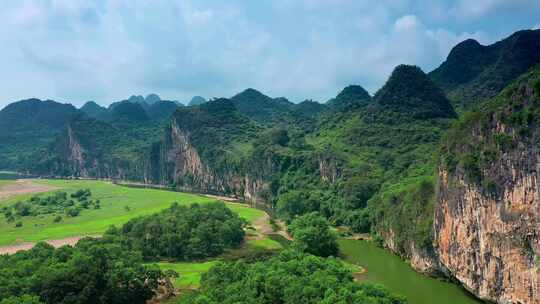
{"x":491,"y":245}
{"x":182,"y":166}
{"x":90,"y":149}
{"x":200,"y":153}
{"x":487,"y":221}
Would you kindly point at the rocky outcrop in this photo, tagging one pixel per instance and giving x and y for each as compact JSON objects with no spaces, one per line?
{"x":487,"y":221}
{"x":423,"y":260}
{"x":186,"y":169}
{"x":182,"y":166}
{"x":76,"y":153}
{"x":491,"y":245}
{"x":329,"y":168}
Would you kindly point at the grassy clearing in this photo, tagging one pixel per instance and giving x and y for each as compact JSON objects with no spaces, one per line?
{"x":5,"y":182}
{"x":265,"y":243}
{"x":114,"y":200}
{"x":190,"y":273}
{"x":248,"y":213}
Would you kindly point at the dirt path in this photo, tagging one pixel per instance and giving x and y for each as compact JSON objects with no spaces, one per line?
{"x":23,"y":186}
{"x":11,"y":249}
{"x":263,"y":227}
{"x":223,"y":198}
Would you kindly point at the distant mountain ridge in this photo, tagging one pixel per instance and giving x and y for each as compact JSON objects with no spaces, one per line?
{"x":370,"y":163}
{"x":262,"y":108}
{"x":92,"y":109}
{"x":474,"y":72}
{"x":196,"y":101}
{"x":153,"y":108}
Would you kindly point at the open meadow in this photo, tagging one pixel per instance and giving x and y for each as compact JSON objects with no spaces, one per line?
{"x":118,"y":204}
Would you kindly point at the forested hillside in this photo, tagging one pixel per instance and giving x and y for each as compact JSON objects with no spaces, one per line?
{"x":488,"y":192}
{"x":473,"y":72}
{"x":28,"y":125}
{"x":389,"y":165}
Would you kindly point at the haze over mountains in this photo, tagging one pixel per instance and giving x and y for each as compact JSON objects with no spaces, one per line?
{"x":412,"y":165}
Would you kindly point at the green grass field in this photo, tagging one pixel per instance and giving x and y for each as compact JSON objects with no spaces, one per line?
{"x":4,"y":182}
{"x":189,"y":273}
{"x":265,"y":243}
{"x":114,"y":200}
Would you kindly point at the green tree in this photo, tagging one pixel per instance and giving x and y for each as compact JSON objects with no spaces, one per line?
{"x":312,"y":234}
{"x":24,"y":299}
{"x":291,"y":277}
{"x":92,"y":272}
{"x":182,"y":233}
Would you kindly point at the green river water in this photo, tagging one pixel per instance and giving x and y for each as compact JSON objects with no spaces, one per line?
{"x":388,"y":269}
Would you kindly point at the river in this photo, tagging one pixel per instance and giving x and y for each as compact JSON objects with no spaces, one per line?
{"x":387,"y":269}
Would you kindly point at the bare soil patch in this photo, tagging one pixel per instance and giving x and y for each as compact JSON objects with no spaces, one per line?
{"x":23,"y":186}
{"x":223,"y":198}
{"x":11,"y":249}
{"x":263,"y":227}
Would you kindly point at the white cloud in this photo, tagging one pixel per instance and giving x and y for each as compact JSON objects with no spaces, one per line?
{"x":75,"y":50}
{"x":483,"y":8}
{"x":406,"y":23}
{"x":476,"y":8}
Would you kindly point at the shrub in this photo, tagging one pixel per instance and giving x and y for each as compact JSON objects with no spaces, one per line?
{"x":73,"y":212}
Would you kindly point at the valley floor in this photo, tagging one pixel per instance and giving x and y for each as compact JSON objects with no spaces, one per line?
{"x":11,"y":249}
{"x":10,"y":188}
{"x":120,"y":203}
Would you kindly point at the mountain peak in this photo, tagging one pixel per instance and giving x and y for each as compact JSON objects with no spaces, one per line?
{"x":260,"y":107}
{"x":92,"y":109}
{"x":351,"y":96}
{"x":464,"y":48}
{"x":251,"y":93}
{"x":410,"y":91}
{"x":32,"y":105}
{"x":136,"y":98}
{"x":127,"y":112}
{"x":196,"y":101}
{"x":354,"y":91}
{"x":162,"y":109}
{"x":90,"y":103}
{"x":473,"y":72}
{"x":152,"y":98}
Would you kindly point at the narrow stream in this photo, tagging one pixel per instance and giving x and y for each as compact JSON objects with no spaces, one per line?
{"x":388,"y":269}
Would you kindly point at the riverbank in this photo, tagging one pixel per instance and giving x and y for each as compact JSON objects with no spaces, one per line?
{"x":383,"y":267}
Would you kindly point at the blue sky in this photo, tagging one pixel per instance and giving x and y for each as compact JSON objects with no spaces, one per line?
{"x":105,"y":50}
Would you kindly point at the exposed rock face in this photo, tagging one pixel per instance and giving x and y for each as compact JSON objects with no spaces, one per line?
{"x":187,"y":170}
{"x":182,"y":165}
{"x":422,"y":260}
{"x":487,"y":222}
{"x":491,"y":245}
{"x":76,"y":153}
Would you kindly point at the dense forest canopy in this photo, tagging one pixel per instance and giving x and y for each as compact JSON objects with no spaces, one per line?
{"x":94,"y":271}
{"x":289,"y":278}
{"x":182,"y":233}
{"x":368,"y":163}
